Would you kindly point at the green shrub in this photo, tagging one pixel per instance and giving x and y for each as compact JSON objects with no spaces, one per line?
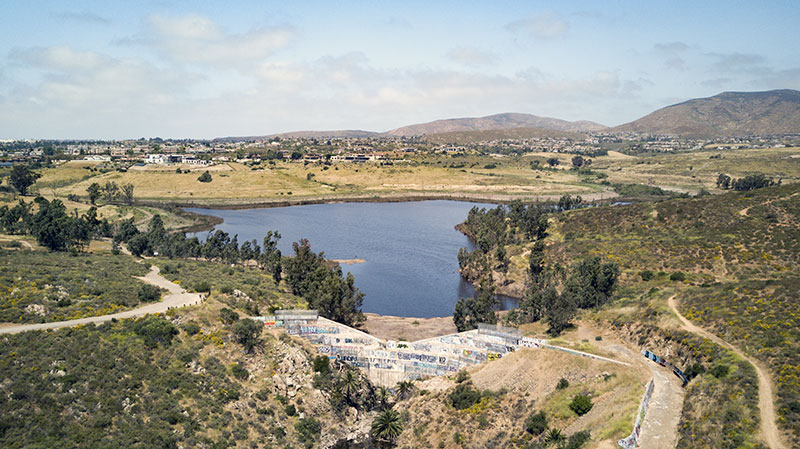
{"x":201,"y":287}
{"x":463,"y":396}
{"x":149,"y":293}
{"x":191,"y":328}
{"x":308,"y":430}
{"x":322,"y":365}
{"x":678,"y":276}
{"x":581,"y":404}
{"x":646,"y":275}
{"x":290,"y":410}
{"x":719,"y":371}
{"x":562,"y":384}
{"x":205,"y":177}
{"x":239,"y":371}
{"x":536,"y":423}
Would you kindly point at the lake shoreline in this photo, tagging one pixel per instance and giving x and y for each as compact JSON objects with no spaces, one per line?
{"x":255,"y":203}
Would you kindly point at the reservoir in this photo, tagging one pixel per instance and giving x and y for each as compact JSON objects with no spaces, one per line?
{"x":409,"y":249}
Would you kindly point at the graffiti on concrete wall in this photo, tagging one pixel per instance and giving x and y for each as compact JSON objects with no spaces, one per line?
{"x":633,"y":439}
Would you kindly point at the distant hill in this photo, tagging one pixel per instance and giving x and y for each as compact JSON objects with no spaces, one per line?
{"x":467,"y":137}
{"x":725,"y":115}
{"x":345,"y":133}
{"x":491,"y":122}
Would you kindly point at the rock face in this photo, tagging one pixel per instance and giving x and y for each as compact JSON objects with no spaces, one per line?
{"x":725,"y":115}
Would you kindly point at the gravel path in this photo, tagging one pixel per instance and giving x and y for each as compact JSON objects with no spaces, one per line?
{"x":177,"y":297}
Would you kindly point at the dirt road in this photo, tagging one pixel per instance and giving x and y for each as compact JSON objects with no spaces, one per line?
{"x":766,"y":404}
{"x":177,"y":297}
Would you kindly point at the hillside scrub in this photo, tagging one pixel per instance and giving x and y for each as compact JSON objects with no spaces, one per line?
{"x":37,"y":286}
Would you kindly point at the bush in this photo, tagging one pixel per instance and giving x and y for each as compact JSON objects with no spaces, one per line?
{"x":239,"y":371}
{"x":228,"y":316}
{"x":290,"y":410}
{"x":191,"y":328}
{"x":646,"y":275}
{"x":678,"y":276}
{"x":202,"y":286}
{"x":719,"y":371}
{"x":562,"y":384}
{"x":463,"y":396}
{"x":536,"y":423}
{"x":322,"y":365}
{"x":149,"y":293}
{"x":308,"y":429}
{"x":155,"y":330}
{"x":581,"y":404}
{"x":205,"y":177}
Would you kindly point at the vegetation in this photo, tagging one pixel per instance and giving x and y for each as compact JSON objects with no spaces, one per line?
{"x":36,"y":286}
{"x":22,"y":177}
{"x":581,"y":404}
{"x":325,"y":288}
{"x":52,"y":226}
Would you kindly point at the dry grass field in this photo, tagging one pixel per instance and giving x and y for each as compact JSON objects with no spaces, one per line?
{"x":492,"y":177}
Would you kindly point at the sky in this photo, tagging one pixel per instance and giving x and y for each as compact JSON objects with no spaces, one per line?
{"x":204,"y":69}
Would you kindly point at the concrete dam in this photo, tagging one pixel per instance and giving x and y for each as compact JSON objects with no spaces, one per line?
{"x":387,"y":362}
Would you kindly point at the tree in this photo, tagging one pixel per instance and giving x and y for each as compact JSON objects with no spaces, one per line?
{"x":110,"y":191}
{"x":94,"y":191}
{"x":405,"y":389}
{"x":247,"y":332}
{"x":126,"y":191}
{"x":536,"y":261}
{"x":205,"y":177}
{"x":387,"y":427}
{"x":348,"y":386}
{"x":723,"y":181}
{"x":559,"y":311}
{"x":478,"y":309}
{"x":553,"y":162}
{"x":577,"y":161}
{"x":51,"y":225}
{"x":22,"y":177}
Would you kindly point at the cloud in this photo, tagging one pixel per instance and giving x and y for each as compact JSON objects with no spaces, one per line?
{"x":544,"y":26}
{"x":84,"y":17}
{"x":671,"y":48}
{"x":60,"y":58}
{"x":198,"y":40}
{"x":470,"y":56}
{"x":725,"y":62}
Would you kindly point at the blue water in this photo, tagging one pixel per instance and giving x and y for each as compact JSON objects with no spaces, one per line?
{"x":410,"y":248}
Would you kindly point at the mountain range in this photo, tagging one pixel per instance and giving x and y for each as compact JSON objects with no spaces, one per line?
{"x":724,"y":115}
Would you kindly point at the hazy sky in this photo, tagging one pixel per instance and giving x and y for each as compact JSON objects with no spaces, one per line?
{"x":205,"y":69}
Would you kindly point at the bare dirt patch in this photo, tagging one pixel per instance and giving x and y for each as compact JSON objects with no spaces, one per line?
{"x":408,"y":328}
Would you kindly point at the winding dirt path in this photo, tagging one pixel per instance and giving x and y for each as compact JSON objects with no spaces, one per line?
{"x":177,"y":297}
{"x":766,"y":404}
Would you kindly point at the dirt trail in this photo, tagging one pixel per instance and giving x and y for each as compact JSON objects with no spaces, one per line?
{"x":177,"y":297}
{"x":766,"y":405}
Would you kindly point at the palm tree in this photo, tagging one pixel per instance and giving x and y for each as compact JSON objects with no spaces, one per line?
{"x":387,"y":427}
{"x":382,"y":397}
{"x":405,"y":389}
{"x":554,"y":436}
{"x":349,"y":384}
